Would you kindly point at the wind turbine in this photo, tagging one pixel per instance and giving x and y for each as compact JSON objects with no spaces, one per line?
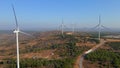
{"x":73,"y":28}
{"x":99,"y":26}
{"x":62,"y":28}
{"x":17,"y":31}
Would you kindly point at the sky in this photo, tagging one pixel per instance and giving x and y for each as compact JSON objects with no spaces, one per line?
{"x":47,"y":14}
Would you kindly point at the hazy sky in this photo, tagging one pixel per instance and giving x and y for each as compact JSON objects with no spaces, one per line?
{"x":41,"y":14}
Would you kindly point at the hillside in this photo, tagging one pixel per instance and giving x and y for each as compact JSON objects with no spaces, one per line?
{"x":49,"y":46}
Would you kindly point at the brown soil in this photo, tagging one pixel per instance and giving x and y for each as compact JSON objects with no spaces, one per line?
{"x":88,"y":64}
{"x":76,"y":64}
{"x":48,"y":54}
{"x":113,"y":40}
{"x":85,"y":44}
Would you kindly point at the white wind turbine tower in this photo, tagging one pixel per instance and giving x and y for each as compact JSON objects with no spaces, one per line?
{"x":17,"y":31}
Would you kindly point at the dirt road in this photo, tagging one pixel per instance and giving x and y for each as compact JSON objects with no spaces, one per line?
{"x":78,"y":63}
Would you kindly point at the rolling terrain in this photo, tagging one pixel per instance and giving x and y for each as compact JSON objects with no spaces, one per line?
{"x":47,"y":49}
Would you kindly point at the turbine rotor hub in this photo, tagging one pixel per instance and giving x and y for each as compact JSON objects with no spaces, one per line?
{"x":16,"y":31}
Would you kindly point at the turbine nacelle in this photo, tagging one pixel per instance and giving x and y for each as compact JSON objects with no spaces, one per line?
{"x":16,"y":31}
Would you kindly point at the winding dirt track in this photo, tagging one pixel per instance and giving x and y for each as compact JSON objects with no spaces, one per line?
{"x":79,"y":60}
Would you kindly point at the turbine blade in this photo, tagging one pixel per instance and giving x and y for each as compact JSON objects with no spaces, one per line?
{"x":26,"y":33}
{"x":15,"y":17}
{"x":99,"y":24}
{"x":59,"y":28}
{"x":66,"y":27}
{"x":99,"y":19}
{"x":95,"y":26}
{"x":107,"y":28}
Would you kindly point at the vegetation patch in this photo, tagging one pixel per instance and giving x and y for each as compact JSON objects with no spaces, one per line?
{"x":114,"y":45}
{"x":105,"y":58}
